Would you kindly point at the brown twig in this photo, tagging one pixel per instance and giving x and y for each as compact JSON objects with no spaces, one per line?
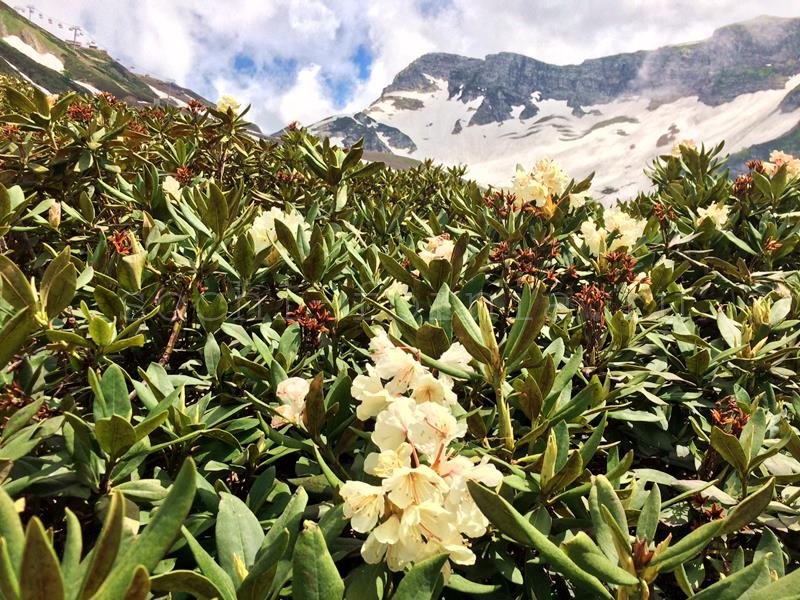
{"x":178,"y":317}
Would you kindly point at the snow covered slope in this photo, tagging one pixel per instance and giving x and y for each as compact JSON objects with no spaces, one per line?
{"x":611,"y":115}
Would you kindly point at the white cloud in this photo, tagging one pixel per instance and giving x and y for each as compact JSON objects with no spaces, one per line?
{"x":196,"y":43}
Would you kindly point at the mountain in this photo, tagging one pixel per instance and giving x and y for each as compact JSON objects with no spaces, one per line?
{"x":59,"y":66}
{"x":610,"y":115}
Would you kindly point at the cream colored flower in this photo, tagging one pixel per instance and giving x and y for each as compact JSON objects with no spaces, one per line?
{"x":292,"y":392}
{"x":436,"y":247}
{"x":226,"y":103}
{"x":391,"y":425}
{"x":540,"y":186}
{"x":778,"y":159}
{"x":364,"y":504}
{"x":433,"y":429}
{"x":687,"y":143}
{"x":428,"y":388}
{"x":457,"y":356}
{"x":369,"y":391}
{"x":397,"y":288}
{"x":171,"y":187}
{"x":414,"y":485}
{"x":716,"y":213}
{"x":593,"y":236}
{"x":383,"y":464}
{"x":398,"y":368}
{"x":263,"y":229}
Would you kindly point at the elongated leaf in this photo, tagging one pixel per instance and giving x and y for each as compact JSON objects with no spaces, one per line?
{"x":314,"y":575}
{"x":40,"y":573}
{"x":512,"y":524}
{"x":11,"y":528}
{"x":105,"y":550}
{"x":188,"y":582}
{"x":14,"y":286}
{"x":648,"y":518}
{"x":208,"y":566}
{"x":688,"y":547}
{"x":591,"y":559}
{"x":735,"y":586}
{"x":157,"y":538}
{"x":238,"y":534}
{"x":14,"y":334}
{"x":749,"y":509}
{"x":423,"y":581}
{"x":729,"y":448}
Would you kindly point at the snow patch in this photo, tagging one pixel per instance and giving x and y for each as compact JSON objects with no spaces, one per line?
{"x":88,"y":86}
{"x":51,"y":61}
{"x":25,"y":77}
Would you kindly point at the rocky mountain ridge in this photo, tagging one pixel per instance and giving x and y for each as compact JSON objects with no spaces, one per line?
{"x":740,"y":85}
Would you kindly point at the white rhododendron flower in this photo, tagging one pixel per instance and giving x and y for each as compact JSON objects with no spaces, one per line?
{"x":171,"y":187}
{"x":397,"y":288}
{"x":422,"y":506}
{"x":688,"y":143}
{"x":263,"y":228}
{"x":363,"y":504}
{"x":777,"y":159}
{"x":226,"y":103}
{"x":626,"y":229}
{"x":545,"y":182}
{"x":292,"y":392}
{"x":717,"y":213}
{"x":436,"y":247}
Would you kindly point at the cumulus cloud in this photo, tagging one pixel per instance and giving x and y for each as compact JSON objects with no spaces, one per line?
{"x":306,"y":59}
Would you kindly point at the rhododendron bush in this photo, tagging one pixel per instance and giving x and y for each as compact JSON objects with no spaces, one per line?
{"x":242,"y":367}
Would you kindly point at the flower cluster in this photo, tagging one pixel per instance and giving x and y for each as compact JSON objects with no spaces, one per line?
{"x":421,"y":505}
{"x":778,"y":159}
{"x":545,"y":182}
{"x":436,"y":247}
{"x":627,"y":230}
{"x":263,"y":229}
{"x":292,"y":393}
{"x":716,"y":213}
{"x":687,"y":144}
{"x":228,"y":103}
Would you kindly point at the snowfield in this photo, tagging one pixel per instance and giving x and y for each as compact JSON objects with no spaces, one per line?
{"x":51,"y":61}
{"x":614,"y":140}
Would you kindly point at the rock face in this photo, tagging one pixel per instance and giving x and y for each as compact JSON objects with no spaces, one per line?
{"x":741,"y":84}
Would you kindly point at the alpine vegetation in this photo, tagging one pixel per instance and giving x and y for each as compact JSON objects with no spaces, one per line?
{"x":246,"y":368}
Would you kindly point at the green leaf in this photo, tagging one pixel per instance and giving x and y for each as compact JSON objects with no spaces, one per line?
{"x":11,"y":528}
{"x":115,"y":435}
{"x":115,"y":392}
{"x":9,"y":586}
{"x":749,"y":509}
{"x":14,"y":286}
{"x":139,"y":586}
{"x":262,"y":573}
{"x":649,"y":517}
{"x":735,"y":586}
{"x":188,"y":582}
{"x":585,"y":553}
{"x":422,"y":581}
{"x":730,"y":449}
{"x":687,"y":547}
{"x":238,"y":534}
{"x":208,"y":566}
{"x":216,"y":216}
{"x":315,"y":407}
{"x":40,"y":573}
{"x":105,"y":550}
{"x":14,"y":334}
{"x":314,"y":575}
{"x":512,"y":524}
{"x":152,"y":544}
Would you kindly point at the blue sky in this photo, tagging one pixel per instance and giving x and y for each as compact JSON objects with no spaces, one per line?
{"x":307,"y":59}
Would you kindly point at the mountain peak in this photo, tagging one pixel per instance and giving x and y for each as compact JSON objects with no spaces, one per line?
{"x":505,"y":108}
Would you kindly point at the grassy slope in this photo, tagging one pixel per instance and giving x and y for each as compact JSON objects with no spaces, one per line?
{"x":92,"y":66}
